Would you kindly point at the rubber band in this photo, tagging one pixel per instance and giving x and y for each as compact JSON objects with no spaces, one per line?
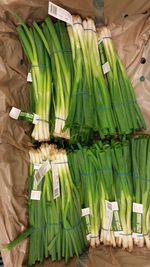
{"x":117,"y":104}
{"x":42,"y":120}
{"x":64,"y":162}
{"x":73,"y":227}
{"x":141,"y":178}
{"x":107,"y":230}
{"x":123,"y":234}
{"x":78,"y":23}
{"x":88,"y":174}
{"x":81,"y":93}
{"x":59,"y":51}
{"x":87,"y":29}
{"x":60,"y":118}
{"x":96,"y":236}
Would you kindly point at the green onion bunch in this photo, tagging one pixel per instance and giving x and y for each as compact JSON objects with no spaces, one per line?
{"x":56,"y":228}
{"x":41,"y":78}
{"x":140,"y":148}
{"x":128,"y":116}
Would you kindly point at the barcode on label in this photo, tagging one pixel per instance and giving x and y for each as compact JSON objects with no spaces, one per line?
{"x":55,"y":175}
{"x":42,"y":171}
{"x":106,"y":67}
{"x":59,"y":13}
{"x":52,"y":9}
{"x":109,"y":205}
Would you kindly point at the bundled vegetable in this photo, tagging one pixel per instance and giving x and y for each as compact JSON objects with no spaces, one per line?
{"x":123,"y":191}
{"x":41,"y":77}
{"x":123,"y":101}
{"x":141,"y":182}
{"x":55,"y":214}
{"x":56,"y":41}
{"x":85,"y":171}
{"x":100,"y":193}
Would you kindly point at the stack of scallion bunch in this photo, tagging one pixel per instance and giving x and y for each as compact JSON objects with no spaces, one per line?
{"x":57,"y":228}
{"x":41,"y":77}
{"x":110,"y":179}
{"x":126,"y":111}
{"x":66,"y":68}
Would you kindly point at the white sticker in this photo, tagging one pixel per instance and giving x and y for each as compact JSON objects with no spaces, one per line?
{"x":59,"y":13}
{"x":135,"y":235}
{"x":37,"y":166}
{"x":109,"y":215}
{"x":88,"y":237}
{"x":137,"y":208}
{"x":106,"y":67}
{"x":14,"y":113}
{"x":29,"y":77}
{"x":35,"y":195}
{"x":42,"y":171}
{"x":35,"y":119}
{"x":85,"y":212}
{"x":109,"y":205}
{"x":118,"y":233}
{"x":115,"y":205}
{"x":55,"y":175}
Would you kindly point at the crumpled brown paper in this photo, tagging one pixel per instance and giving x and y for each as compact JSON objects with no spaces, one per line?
{"x":14,"y":135}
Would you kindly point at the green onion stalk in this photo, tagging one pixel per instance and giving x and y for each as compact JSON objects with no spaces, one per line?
{"x":104,"y":120}
{"x":140,"y":158}
{"x":41,"y":78}
{"x":56,"y":41}
{"x":87,"y":167}
{"x":124,"y":190}
{"x":73,"y":232}
{"x":127,"y":113}
{"x":80,"y":119}
{"x":107,"y":194}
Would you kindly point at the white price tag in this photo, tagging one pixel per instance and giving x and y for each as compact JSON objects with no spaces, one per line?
{"x":42,"y":171}
{"x":36,"y":119}
{"x":109,"y":214}
{"x":88,"y":237}
{"x":59,"y":13}
{"x":115,"y":205}
{"x":35,"y":195}
{"x":37,"y":166}
{"x":137,"y":208}
{"x":106,"y":67}
{"x":14,"y":113}
{"x":55,"y":175}
{"x":85,"y":212}
{"x":29,"y":77}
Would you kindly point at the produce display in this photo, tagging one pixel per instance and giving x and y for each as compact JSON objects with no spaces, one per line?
{"x":94,"y":190}
{"x":88,"y":195}
{"x":78,"y":81}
